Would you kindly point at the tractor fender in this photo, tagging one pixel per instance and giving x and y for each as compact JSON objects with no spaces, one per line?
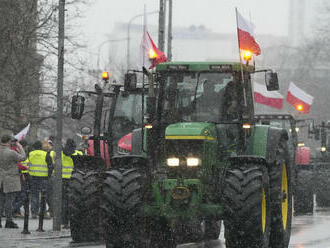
{"x":129,"y":162}
{"x":136,"y":146}
{"x":263,"y":142}
{"x":241,"y":159}
{"x":274,"y":136}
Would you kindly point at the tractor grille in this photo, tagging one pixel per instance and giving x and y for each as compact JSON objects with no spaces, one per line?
{"x":180,"y":198}
{"x":184,"y":148}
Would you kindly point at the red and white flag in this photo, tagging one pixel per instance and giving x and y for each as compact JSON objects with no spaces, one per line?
{"x":299,"y":99}
{"x":21,"y":135}
{"x":246,"y":37}
{"x":272,"y":99}
{"x":150,"y":55}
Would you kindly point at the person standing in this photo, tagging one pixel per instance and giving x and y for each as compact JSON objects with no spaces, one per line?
{"x":10,"y":182}
{"x":47,"y":145}
{"x":39,"y":171}
{"x":24,"y":170}
{"x":67,"y":168}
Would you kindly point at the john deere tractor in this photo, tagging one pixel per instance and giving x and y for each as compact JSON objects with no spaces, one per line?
{"x":300,"y":160}
{"x":199,"y":159}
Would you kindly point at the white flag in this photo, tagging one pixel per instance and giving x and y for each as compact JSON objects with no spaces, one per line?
{"x":21,"y":135}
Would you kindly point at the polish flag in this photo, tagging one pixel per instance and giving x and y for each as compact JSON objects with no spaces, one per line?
{"x":21,"y":135}
{"x":272,"y":99}
{"x":150,"y":55}
{"x":245,"y":32}
{"x":299,"y":99}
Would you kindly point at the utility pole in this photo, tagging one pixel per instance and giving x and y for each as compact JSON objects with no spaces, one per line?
{"x":57,"y":197}
{"x":161,"y":24}
{"x":169,"y":31}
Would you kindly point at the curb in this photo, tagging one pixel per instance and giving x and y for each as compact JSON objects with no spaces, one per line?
{"x":39,"y":238}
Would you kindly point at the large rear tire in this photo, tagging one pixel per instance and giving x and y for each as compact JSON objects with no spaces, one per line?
{"x":303,"y":197}
{"x":92,"y":188}
{"x":281,"y":197}
{"x":247,"y":207}
{"x":120,"y":205}
{"x":77,"y":209}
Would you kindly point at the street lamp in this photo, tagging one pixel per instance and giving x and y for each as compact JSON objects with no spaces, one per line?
{"x":128,"y":33}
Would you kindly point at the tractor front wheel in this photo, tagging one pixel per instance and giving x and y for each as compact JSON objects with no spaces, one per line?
{"x":92,"y":188}
{"x":247,"y":206}
{"x":77,"y":209}
{"x":120,"y":205}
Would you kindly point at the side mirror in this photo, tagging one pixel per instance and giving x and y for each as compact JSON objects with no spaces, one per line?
{"x":130,"y":81}
{"x":77,"y":107}
{"x":271,"y":81}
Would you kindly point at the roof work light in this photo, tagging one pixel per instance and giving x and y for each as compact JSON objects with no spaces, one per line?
{"x":247,"y":55}
{"x":300,"y":107}
{"x":105,"y":75}
{"x":152,"y":54}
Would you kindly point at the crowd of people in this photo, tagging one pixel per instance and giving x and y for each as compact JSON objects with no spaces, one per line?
{"x":30,"y":168}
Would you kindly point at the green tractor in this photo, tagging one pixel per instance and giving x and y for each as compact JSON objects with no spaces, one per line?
{"x":300,"y":160}
{"x":200,"y":159}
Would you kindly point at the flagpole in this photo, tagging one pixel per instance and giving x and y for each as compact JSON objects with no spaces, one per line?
{"x":143,"y":76}
{"x":240,"y":59}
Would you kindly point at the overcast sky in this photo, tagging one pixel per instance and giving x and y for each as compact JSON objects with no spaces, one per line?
{"x":269,"y":16}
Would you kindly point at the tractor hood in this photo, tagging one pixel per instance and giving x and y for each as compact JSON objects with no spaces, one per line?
{"x":191,"y":130}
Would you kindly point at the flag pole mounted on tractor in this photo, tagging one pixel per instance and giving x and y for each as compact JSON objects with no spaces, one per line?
{"x":57,"y":198}
{"x":240,"y":58}
{"x":247,"y":44}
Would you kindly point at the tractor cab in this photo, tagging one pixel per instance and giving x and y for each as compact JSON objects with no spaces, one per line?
{"x":285,"y":121}
{"x":203,"y":106}
{"x":113,"y":111}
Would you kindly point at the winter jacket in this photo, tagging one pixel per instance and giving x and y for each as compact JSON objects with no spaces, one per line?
{"x":9,"y":174}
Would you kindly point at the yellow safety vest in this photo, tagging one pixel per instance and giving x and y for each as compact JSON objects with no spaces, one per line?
{"x":52,"y":154}
{"x":25,"y":162}
{"x":38,"y":167}
{"x":67,"y":164}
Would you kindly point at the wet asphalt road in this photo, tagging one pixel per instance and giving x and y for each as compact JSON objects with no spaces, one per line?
{"x":308,"y":231}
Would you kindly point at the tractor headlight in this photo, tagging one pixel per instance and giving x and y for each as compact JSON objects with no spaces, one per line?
{"x":193,"y":161}
{"x":323,"y":149}
{"x":172,"y":162}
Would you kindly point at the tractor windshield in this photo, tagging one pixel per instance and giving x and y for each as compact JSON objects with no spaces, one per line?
{"x":127,"y":115}
{"x":200,"y":97}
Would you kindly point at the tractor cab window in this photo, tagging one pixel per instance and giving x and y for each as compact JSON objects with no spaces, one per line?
{"x":202,"y":96}
{"x":128,"y":114}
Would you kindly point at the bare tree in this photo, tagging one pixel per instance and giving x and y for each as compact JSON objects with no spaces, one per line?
{"x":28,"y":40}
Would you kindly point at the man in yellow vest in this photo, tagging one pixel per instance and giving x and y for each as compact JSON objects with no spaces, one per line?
{"x":47,"y":146}
{"x":67,"y":168}
{"x":40,"y":164}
